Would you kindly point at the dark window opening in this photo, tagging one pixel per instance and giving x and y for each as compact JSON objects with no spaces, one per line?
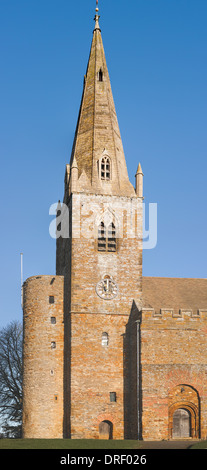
{"x":53,"y":345}
{"x":51,"y":299}
{"x":100,"y":76}
{"x":113,"y":397}
{"x":53,"y":320}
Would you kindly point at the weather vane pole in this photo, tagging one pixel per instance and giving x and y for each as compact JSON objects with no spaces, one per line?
{"x":97,"y":17}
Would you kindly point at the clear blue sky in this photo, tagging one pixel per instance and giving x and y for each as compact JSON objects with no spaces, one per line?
{"x":156,"y":52}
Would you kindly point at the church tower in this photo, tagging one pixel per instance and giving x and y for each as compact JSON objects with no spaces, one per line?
{"x":80,"y":346}
{"x":101,"y":262}
{"x":107,"y":353}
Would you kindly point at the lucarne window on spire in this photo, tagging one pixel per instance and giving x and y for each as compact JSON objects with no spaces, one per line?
{"x":105,"y":168}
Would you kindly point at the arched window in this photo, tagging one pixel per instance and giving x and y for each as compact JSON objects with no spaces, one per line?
{"x":105,"y":168}
{"x":100,"y":76}
{"x":105,"y":339}
{"x":107,"y":238}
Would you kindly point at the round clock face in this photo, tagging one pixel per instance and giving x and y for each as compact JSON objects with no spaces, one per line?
{"x":107,"y":289}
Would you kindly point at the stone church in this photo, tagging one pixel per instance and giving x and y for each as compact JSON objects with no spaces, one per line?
{"x":108,"y":353}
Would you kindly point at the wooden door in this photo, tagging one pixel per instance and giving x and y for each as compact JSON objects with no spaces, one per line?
{"x":105,"y":430}
{"x":181,"y":424}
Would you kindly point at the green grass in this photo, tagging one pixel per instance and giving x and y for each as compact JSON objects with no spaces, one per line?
{"x":81,"y":444}
{"x":200,"y":445}
{"x":67,"y":444}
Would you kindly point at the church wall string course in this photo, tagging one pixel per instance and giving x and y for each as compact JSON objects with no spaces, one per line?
{"x":109,"y":354}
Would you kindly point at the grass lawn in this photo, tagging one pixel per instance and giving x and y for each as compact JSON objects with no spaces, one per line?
{"x":88,"y":444}
{"x":200,"y":445}
{"x":67,"y":444}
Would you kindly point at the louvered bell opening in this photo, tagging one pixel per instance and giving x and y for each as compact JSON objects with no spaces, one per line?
{"x":112,"y":238}
{"x":101,"y":238}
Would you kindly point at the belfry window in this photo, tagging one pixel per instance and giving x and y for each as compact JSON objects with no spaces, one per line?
{"x":105,"y":169}
{"x":107,"y":238}
{"x":100,"y":76}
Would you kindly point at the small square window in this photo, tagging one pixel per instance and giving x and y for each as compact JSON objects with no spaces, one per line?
{"x":113,"y":397}
{"x":51,"y":299}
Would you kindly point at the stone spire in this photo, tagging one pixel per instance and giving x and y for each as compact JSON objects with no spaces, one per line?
{"x":97,"y":146}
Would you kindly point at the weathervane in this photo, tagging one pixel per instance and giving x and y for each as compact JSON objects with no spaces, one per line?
{"x":97,"y":17}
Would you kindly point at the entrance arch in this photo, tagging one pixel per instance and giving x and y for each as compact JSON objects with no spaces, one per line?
{"x":106,"y":430}
{"x":181,"y":424}
{"x":184,"y":412}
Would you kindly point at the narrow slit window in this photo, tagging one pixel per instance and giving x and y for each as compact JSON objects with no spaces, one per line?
{"x":53,"y":345}
{"x":113,"y":397}
{"x":105,"y":339}
{"x":53,"y":320}
{"x":100,"y":76}
{"x":51,"y":299}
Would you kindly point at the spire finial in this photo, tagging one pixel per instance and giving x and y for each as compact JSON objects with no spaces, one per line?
{"x":97,"y":17}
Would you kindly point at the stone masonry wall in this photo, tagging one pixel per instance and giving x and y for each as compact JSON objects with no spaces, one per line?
{"x":43,"y":357}
{"x":95,"y":370}
{"x":173,"y":358}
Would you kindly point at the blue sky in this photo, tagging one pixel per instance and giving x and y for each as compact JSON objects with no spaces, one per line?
{"x":157,"y":58}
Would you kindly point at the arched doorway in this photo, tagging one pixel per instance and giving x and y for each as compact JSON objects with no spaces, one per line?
{"x":184,"y":412}
{"x":181,"y":424}
{"x":106,"y":430}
